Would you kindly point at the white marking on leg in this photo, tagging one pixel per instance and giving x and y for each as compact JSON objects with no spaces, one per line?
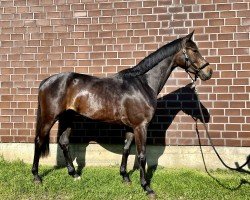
{"x":77,"y":178}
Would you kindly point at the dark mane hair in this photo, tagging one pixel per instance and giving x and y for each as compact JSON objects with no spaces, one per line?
{"x":153,"y":59}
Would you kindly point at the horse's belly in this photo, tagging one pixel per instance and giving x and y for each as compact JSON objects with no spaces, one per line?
{"x":105,"y":114}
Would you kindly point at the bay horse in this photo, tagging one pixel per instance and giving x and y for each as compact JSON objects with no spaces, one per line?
{"x":128,"y":97}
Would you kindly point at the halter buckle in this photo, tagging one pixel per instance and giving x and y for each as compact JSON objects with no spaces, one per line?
{"x":185,"y":54}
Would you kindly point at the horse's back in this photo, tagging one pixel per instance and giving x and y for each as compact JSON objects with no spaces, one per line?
{"x":61,"y":78}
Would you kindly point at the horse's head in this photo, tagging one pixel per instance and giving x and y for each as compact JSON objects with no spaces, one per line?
{"x":190,"y":59}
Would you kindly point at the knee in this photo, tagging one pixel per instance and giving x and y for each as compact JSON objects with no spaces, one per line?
{"x":64,"y":138}
{"x":63,"y":142}
{"x":130,"y":136}
{"x":129,"y":140}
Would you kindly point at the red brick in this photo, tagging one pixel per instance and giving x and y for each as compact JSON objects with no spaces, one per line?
{"x":244,"y":134}
{"x":228,"y":59}
{"x":245,"y":143}
{"x":7,"y":139}
{"x":244,"y":43}
{"x":243,"y":13}
{"x":145,"y":11}
{"x":185,"y":142}
{"x":216,"y":22}
{"x":216,"y":126}
{"x":200,"y":22}
{"x":88,"y":6}
{"x":228,"y":14}
{"x":245,"y":127}
{"x":129,"y":62}
{"x":241,"y":36}
{"x":208,"y":7}
{"x":233,"y":127}
{"x":241,"y":51}
{"x":238,"y":120}
{"x":158,"y":10}
{"x":119,"y":35}
{"x":237,"y":89}
{"x":241,"y":97}
{"x":233,"y":142}
{"x":243,"y":58}
{"x":105,"y":5}
{"x":228,"y":134}
{"x":232,"y":21}
{"x":126,"y":5}
{"x":228,"y":29}
{"x":239,"y":6}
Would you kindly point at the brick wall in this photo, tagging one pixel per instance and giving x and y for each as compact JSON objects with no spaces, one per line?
{"x":41,"y":38}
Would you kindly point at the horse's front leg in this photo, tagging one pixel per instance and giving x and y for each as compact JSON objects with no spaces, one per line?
{"x":64,"y":144}
{"x":140,"y":140}
{"x":126,"y":152}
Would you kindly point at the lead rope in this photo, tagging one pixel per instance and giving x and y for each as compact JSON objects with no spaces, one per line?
{"x":238,"y":168}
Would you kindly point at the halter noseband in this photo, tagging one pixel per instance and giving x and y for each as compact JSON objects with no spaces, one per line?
{"x":192,"y":65}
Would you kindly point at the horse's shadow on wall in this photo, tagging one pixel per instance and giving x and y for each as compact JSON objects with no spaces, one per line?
{"x":85,"y":131}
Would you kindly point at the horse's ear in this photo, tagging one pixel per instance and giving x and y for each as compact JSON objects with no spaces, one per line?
{"x":188,"y":37}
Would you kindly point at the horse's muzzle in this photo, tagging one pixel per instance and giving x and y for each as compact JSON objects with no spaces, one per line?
{"x":206,"y":73}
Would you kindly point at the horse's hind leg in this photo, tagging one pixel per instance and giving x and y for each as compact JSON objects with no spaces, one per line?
{"x":126,"y":152}
{"x":37,"y":178}
{"x":64,"y":144}
{"x":41,"y":145}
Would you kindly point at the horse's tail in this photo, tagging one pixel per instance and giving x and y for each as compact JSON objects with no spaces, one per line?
{"x":42,"y":141}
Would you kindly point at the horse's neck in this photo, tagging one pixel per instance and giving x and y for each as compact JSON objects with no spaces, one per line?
{"x":157,"y":76}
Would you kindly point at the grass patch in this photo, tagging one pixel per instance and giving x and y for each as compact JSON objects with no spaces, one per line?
{"x":105,"y":183}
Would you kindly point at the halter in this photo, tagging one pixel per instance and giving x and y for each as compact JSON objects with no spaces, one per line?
{"x":192,"y":66}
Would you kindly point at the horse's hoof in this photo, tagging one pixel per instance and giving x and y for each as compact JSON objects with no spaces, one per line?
{"x":37,"y":180}
{"x":127,"y":180}
{"x":152,"y":196}
{"x":77,"y":177}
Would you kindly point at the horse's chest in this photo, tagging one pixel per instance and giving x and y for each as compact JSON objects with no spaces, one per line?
{"x":136,"y":110}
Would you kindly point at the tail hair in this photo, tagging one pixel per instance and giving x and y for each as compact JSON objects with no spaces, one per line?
{"x":44,"y":142}
{"x":45,"y":147}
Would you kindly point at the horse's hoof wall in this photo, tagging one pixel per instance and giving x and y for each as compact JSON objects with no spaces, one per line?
{"x":152,"y":196}
{"x":37,"y":180}
{"x":127,"y":182}
{"x":77,"y":178}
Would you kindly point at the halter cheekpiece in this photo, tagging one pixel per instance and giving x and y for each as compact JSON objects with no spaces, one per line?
{"x":192,"y":66}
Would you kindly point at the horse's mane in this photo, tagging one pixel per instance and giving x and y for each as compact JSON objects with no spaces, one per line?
{"x":153,"y":59}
